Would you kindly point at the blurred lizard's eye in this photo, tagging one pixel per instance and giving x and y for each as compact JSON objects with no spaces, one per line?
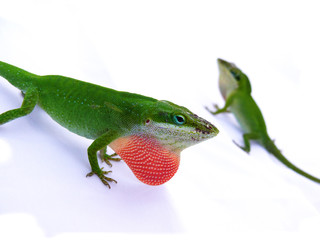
{"x":179,"y":119}
{"x":235,"y":74}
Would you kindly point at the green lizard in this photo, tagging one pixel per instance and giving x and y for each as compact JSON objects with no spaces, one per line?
{"x":146,"y":133}
{"x":235,"y":88}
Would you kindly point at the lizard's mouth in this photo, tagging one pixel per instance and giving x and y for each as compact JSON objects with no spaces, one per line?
{"x":206,"y":128}
{"x":179,"y":137}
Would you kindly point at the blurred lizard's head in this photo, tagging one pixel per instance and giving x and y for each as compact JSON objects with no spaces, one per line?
{"x":231,"y":78}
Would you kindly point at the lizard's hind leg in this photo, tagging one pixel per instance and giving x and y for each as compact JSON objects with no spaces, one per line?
{"x":246,"y":138}
{"x":29,"y":102}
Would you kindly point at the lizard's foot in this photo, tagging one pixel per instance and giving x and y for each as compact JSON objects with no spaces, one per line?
{"x":104,"y":179}
{"x":211,"y":111}
{"x":107,"y":158}
{"x":216,"y":106}
{"x":217,"y":109}
{"x":246,"y":149}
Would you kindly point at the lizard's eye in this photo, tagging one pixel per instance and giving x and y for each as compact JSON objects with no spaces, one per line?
{"x":235,"y":74}
{"x":179,"y":119}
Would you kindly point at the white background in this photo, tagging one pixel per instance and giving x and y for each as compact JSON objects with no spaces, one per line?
{"x":167,"y":50}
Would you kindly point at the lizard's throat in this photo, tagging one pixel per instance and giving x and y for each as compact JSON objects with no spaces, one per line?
{"x":150,"y":161}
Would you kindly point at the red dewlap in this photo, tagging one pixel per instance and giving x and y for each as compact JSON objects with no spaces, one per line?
{"x":150,"y":162}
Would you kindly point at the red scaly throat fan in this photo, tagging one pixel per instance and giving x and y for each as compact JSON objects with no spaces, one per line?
{"x":151,"y":162}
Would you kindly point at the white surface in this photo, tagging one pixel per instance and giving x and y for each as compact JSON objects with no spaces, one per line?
{"x":167,"y":50}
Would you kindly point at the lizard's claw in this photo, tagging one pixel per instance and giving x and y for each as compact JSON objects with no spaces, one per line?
{"x":243,"y":148}
{"x":208,"y":109}
{"x":216,"y":106}
{"x":217,"y":109}
{"x":104,"y":179}
{"x":107,"y":158}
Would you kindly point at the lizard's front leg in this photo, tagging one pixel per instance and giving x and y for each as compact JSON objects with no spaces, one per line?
{"x":225,"y":107}
{"x":98,"y":144}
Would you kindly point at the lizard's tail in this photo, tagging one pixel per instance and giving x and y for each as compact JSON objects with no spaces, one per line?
{"x":17,"y":76}
{"x":272,"y":148}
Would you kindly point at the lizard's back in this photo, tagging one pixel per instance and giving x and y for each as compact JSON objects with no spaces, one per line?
{"x":76,"y":105}
{"x":87,"y":109}
{"x":83,"y":108}
{"x":248,"y":113}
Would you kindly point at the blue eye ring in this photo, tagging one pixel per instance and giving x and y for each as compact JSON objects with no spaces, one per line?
{"x":179,"y":119}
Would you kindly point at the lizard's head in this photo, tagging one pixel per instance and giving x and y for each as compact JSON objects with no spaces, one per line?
{"x":152,"y":150}
{"x":175,"y":126}
{"x":231,"y":78}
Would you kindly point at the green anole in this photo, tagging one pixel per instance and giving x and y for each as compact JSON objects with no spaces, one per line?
{"x":235,"y":88}
{"x":146,"y":133}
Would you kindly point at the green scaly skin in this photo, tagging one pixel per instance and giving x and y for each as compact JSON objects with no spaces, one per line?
{"x":235,"y":88}
{"x":105,"y":114}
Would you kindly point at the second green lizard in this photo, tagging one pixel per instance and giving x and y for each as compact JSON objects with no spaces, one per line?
{"x":235,"y":88}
